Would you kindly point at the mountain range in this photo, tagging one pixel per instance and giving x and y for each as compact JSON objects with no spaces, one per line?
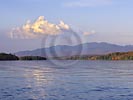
{"x":92,"y":48}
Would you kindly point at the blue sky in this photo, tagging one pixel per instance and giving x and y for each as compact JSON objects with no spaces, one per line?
{"x":111,"y":20}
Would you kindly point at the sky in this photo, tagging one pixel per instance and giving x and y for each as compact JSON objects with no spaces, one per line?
{"x":24,"y":24}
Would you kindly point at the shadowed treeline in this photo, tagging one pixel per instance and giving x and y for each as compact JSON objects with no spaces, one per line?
{"x":4,"y":56}
{"x":32,"y":58}
{"x":110,"y":56}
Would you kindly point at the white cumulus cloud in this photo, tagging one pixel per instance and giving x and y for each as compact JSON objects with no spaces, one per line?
{"x":42,"y":27}
{"x":39,"y":28}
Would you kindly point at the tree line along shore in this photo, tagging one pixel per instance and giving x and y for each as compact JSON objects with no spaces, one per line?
{"x":4,"y":56}
{"x":110,"y":56}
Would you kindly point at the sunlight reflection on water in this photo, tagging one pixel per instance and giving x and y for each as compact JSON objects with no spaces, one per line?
{"x":85,"y":80}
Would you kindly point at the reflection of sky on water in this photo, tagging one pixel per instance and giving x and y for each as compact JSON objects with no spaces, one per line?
{"x":85,"y":80}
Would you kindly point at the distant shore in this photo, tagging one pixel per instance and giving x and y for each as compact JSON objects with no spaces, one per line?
{"x":9,"y":57}
{"x":110,"y":56}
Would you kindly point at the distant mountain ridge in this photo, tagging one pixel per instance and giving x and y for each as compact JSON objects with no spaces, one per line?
{"x":92,"y":48}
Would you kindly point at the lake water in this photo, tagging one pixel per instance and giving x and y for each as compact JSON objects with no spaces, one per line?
{"x":84,"y":80}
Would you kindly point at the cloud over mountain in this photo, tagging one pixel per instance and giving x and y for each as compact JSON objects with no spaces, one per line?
{"x":39,"y":28}
{"x":42,"y":27}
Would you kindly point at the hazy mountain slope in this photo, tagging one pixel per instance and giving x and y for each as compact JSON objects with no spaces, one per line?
{"x":82,"y":49}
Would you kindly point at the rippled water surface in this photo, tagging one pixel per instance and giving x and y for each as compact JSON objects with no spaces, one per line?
{"x":85,"y":80}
